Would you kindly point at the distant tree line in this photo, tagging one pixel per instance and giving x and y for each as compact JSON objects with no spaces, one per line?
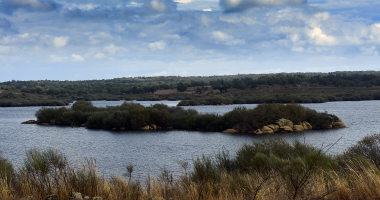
{"x":145,"y":86}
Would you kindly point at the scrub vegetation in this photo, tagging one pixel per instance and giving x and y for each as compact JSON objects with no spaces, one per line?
{"x":270,"y":169}
{"x":133,"y":116}
{"x":212,"y":90}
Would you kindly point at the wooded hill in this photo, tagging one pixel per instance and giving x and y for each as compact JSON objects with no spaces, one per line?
{"x":247,"y":88}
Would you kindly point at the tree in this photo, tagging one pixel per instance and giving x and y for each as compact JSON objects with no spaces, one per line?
{"x":181,"y":87}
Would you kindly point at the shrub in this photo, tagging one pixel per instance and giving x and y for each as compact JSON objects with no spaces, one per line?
{"x":368,"y":147}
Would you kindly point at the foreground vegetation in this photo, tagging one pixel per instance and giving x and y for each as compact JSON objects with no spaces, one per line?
{"x":271,"y":169}
{"x":212,"y":90}
{"x":132,"y":116}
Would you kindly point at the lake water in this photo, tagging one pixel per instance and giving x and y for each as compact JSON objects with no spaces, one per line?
{"x":150,"y":151}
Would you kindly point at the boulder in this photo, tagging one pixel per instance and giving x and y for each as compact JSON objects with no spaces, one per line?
{"x":298,"y":128}
{"x":114,"y":129}
{"x":147,"y":127}
{"x":83,"y":125}
{"x":274,"y":127}
{"x":266,"y":130}
{"x":169,"y":127}
{"x":284,"y":122}
{"x":159,"y":127}
{"x":153,"y":126}
{"x":76,"y":196}
{"x":286,"y":129}
{"x":230,"y":131}
{"x":258,"y":132}
{"x":307,"y":126}
{"x":338,"y":125}
{"x":122,"y":128}
{"x":97,"y":198}
{"x":29,"y":122}
{"x":52,"y":121}
{"x":52,"y":197}
{"x":86,"y":198}
{"x":329,"y":126}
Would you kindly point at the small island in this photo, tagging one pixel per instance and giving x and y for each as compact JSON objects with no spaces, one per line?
{"x":264,"y":119}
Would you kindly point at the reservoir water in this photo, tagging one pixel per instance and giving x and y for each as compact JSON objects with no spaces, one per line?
{"x":151,"y":151}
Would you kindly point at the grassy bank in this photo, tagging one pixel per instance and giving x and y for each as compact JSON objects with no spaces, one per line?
{"x":132,"y":116}
{"x":271,"y":169}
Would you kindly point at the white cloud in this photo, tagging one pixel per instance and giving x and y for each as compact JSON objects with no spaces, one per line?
{"x":182,"y":1}
{"x":60,"y":41}
{"x":172,"y":36}
{"x":100,"y":56}
{"x":238,"y":19}
{"x":158,"y":6}
{"x":206,"y":21}
{"x":226,"y":39}
{"x":321,"y":39}
{"x":5,"y":49}
{"x":298,"y":49}
{"x":111,"y":49}
{"x":371,"y":51}
{"x":77,"y":58}
{"x":55,"y":58}
{"x":160,"y":45}
{"x":24,"y":36}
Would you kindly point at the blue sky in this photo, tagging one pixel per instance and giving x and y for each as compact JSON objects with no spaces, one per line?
{"x":94,"y":39}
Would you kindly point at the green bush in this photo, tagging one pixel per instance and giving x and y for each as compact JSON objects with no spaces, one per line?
{"x":368,"y":147}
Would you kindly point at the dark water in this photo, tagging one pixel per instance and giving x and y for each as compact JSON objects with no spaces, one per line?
{"x":151,"y":151}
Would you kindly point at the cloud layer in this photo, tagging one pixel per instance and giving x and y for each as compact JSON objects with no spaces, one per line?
{"x":141,"y":37}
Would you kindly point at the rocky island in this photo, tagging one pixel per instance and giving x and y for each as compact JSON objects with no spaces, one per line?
{"x":264,"y":119}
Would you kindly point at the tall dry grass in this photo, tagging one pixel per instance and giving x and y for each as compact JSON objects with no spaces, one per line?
{"x":288,"y":176}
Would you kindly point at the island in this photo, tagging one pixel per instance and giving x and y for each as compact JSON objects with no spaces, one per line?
{"x":263,"y":119}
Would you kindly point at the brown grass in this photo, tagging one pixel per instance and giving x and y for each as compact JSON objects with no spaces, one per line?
{"x":358,"y":181}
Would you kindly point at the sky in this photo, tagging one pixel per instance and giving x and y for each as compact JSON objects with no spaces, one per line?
{"x":97,"y":39}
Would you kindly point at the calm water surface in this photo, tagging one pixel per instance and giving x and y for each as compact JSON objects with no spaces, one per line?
{"x":151,"y":151}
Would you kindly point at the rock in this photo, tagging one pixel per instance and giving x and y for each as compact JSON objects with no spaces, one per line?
{"x":86,"y":198}
{"x":52,"y":121}
{"x":329,"y":126}
{"x":76,"y":196}
{"x":83,"y":125}
{"x":114,"y":129}
{"x":97,"y":198}
{"x":338,"y":125}
{"x":338,"y":120}
{"x":266,"y":130}
{"x":286,"y":129}
{"x":230,"y":131}
{"x":46,"y":124}
{"x":153,"y":126}
{"x":170,"y":127}
{"x":298,"y":128}
{"x":159,"y":127}
{"x":307,"y":126}
{"x":147,"y":127}
{"x":29,"y":122}
{"x":274,"y":127}
{"x":122,"y":128}
{"x":284,"y":122}
{"x":258,"y":132}
{"x":52,"y":197}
